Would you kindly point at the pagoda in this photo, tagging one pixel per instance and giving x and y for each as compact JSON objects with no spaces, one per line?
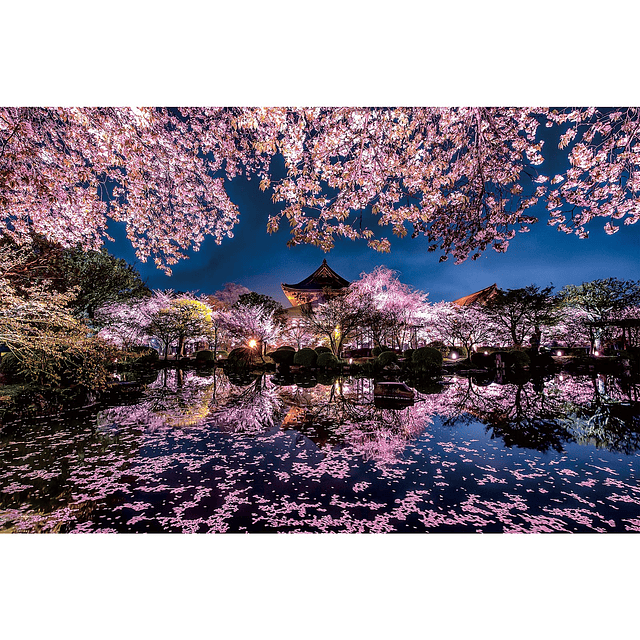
{"x":322,"y":284}
{"x":481,"y":297}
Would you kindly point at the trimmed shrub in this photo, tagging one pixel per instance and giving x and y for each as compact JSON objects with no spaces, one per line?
{"x":204,"y":355}
{"x":286,"y":347}
{"x":326,"y":360}
{"x":241,"y":357}
{"x":378,"y":350}
{"x":427,"y":360}
{"x":305,"y":357}
{"x":322,"y":349}
{"x":408,"y":353}
{"x":386,"y":357}
{"x":283,"y":357}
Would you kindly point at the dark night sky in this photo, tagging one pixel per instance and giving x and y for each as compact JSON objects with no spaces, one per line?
{"x":262,"y":262}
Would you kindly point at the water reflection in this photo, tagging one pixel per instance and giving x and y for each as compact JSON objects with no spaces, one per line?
{"x":540,"y":413}
{"x":191,"y":452}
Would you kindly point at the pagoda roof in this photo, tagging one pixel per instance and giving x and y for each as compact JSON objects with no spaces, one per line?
{"x":479,"y":297}
{"x":323,"y":277}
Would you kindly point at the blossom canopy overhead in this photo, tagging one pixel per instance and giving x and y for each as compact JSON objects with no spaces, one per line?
{"x":466,"y":178}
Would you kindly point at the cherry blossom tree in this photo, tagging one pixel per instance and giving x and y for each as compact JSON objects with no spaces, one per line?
{"x":466,"y":178}
{"x":230,"y":293}
{"x":394,"y":308}
{"x":466,"y":326}
{"x":126,"y":323}
{"x":246,"y":322}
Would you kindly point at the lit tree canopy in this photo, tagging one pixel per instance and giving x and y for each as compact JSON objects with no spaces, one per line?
{"x":466,"y":178}
{"x":516,"y":312}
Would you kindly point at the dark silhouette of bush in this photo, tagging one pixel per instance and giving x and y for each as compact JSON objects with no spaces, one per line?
{"x":326,"y":360}
{"x":9,"y":365}
{"x":480,"y":359}
{"x":204,"y":355}
{"x":519,"y":359}
{"x":385,"y":358}
{"x":322,"y":349}
{"x":426,"y":360}
{"x":241,"y":358}
{"x":408,"y":353}
{"x":512,"y":359}
{"x":305,"y":358}
{"x":283,"y":357}
{"x":286,"y":347}
{"x":378,"y":350}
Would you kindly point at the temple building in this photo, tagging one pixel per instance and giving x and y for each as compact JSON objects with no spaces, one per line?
{"x":479,"y":297}
{"x":317,"y":288}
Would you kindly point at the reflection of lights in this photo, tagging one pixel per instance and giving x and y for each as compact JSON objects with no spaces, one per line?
{"x":252,"y":344}
{"x":561,"y":378}
{"x":559,"y":353}
{"x":350,"y":360}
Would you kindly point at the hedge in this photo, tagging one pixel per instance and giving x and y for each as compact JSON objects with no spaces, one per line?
{"x":322,"y":349}
{"x":378,"y":350}
{"x":305,"y":357}
{"x":426,"y":360}
{"x":283,"y":357}
{"x":241,"y":357}
{"x":386,"y":357}
{"x":326,"y":360}
{"x":204,"y":355}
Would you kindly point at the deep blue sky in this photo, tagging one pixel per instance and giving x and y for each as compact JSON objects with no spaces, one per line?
{"x":262,"y":262}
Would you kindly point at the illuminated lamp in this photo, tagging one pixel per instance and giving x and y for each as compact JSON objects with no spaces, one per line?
{"x":453,"y":355}
{"x":596,"y":353}
{"x":252,"y":343}
{"x":559,"y":353}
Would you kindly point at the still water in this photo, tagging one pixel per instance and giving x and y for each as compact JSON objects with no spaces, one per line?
{"x":192,"y":452}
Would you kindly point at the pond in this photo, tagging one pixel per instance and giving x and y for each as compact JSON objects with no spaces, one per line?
{"x":204,"y":452}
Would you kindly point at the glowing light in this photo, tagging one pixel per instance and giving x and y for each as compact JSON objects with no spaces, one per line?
{"x":559,"y":353}
{"x":252,"y":344}
{"x":486,"y":353}
{"x":596,"y":353}
{"x":350,"y":360}
{"x":454,"y":355}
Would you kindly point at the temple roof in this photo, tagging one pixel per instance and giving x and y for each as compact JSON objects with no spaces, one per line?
{"x":323,"y":277}
{"x":479,"y":297}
